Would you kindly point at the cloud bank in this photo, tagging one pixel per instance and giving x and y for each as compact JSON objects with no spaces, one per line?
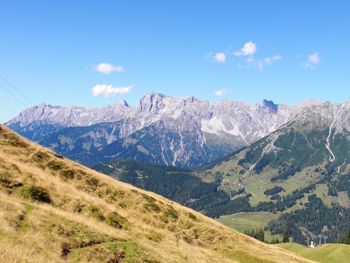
{"x":107,"y":68}
{"x":108,"y":91}
{"x":221,"y":92}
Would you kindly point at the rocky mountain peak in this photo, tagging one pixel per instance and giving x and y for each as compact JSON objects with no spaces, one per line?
{"x":154,"y":102}
{"x":123,"y":103}
{"x":273,"y":108}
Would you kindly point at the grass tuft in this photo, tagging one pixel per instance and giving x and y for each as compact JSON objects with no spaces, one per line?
{"x":96,"y":213}
{"x":35,"y":193}
{"x":115,"y":220}
{"x":55,"y":165}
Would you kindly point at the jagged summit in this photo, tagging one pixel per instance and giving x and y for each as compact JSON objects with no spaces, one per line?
{"x":270,"y":105}
{"x":310,"y":103}
{"x":123,"y":103}
{"x":185,"y":131}
{"x":153,"y":102}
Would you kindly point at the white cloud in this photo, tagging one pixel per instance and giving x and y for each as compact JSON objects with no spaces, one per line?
{"x":220,"y":57}
{"x":261,"y":63}
{"x":248,"y":49}
{"x":108,"y":91}
{"x":270,"y":60}
{"x":221,"y":92}
{"x":107,"y":68}
{"x":312,"y":60}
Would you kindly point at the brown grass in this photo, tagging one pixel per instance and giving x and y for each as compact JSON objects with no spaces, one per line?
{"x":93,"y":218}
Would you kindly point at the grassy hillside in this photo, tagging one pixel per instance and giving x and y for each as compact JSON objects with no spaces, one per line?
{"x":52,"y":210}
{"x":248,"y":221}
{"x":335,"y":253}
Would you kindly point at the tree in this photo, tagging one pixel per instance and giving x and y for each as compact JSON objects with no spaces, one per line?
{"x":260,"y":235}
{"x":285,"y":237}
{"x":346,"y":238}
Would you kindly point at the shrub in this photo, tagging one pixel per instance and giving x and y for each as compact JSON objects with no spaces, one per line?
{"x":67,"y":174}
{"x":35,"y":193}
{"x":65,"y":249}
{"x":192,"y":216}
{"x":171,"y":213}
{"x":152,"y":207}
{"x":58,"y":156}
{"x":148,"y":198}
{"x":92,"y":182}
{"x":7,"y":183}
{"x":123,"y":205}
{"x":115,"y":220}
{"x":96,"y":213}
{"x":273,"y":191}
{"x":154,"y":236}
{"x":55,"y":165}
{"x":78,"y":207}
{"x":40,"y":156}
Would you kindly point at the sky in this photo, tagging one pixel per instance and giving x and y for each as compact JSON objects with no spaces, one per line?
{"x":94,"y":53}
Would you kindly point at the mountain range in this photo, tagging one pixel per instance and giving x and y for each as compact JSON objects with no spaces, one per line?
{"x":183,"y":132}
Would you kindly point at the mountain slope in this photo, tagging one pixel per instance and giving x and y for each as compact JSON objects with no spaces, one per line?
{"x":301,"y":171}
{"x":176,"y":184}
{"x":53,"y":210}
{"x":185,"y":132}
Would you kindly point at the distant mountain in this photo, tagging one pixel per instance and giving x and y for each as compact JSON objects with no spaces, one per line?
{"x":183,"y":132}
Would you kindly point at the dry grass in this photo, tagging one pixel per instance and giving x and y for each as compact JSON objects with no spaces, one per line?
{"x":92,"y":217}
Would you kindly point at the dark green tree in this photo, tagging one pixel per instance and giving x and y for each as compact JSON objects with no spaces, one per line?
{"x":285,"y":237}
{"x":345,"y":238}
{"x":260,"y":235}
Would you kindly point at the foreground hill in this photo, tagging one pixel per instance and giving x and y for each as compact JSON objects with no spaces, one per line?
{"x":53,"y":210}
{"x":335,"y":253}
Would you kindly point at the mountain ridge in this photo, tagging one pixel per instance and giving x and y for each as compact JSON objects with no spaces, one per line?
{"x":217,"y":128}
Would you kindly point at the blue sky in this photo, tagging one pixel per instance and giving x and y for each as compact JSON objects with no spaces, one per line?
{"x":286,"y":51}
